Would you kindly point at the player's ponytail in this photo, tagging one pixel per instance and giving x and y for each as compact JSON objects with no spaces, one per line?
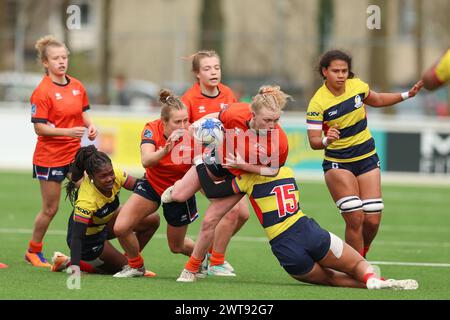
{"x":88,"y":159}
{"x":169,"y":102}
{"x":271,"y":97}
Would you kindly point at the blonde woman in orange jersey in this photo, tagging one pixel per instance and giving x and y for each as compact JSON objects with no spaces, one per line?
{"x":209,"y":96}
{"x":58,"y":114}
{"x":351,"y":164}
{"x":257,"y":125}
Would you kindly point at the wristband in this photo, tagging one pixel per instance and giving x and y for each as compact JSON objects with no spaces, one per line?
{"x":405,"y":95}
{"x":198,"y":160}
{"x":325,"y":141}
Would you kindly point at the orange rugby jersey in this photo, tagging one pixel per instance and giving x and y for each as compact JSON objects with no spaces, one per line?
{"x":59,"y":106}
{"x":259,"y":149}
{"x":199,"y":105}
{"x":173,"y":165}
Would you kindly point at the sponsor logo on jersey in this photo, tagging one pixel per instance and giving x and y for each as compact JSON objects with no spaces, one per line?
{"x":76,"y":92}
{"x":358,"y":102}
{"x":313,"y":114}
{"x":140,"y":187}
{"x":84,"y":211}
{"x":58,"y":96}
{"x":201,"y":109}
{"x":148,"y":133}
{"x":33,"y":109}
{"x":332,"y":113}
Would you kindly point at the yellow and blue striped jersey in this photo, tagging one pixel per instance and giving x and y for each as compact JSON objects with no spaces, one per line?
{"x":442,"y":69}
{"x":347,"y":111}
{"x":275,"y":200}
{"x":95,"y":209}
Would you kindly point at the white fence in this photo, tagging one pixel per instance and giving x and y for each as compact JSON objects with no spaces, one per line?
{"x":415,"y":150}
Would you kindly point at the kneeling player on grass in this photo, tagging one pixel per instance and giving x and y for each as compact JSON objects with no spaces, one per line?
{"x":305,"y":250}
{"x":96,"y":206}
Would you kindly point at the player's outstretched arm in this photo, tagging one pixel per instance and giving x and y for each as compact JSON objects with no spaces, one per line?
{"x":376,"y":99}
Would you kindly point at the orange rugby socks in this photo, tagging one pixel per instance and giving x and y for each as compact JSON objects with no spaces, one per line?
{"x":193,"y":264}
{"x":216,"y":259}
{"x":34,"y":247}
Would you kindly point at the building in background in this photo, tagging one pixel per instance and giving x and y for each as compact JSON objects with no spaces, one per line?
{"x":260,"y":41}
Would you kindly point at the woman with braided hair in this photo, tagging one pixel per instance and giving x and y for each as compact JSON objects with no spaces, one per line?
{"x":96,"y":206}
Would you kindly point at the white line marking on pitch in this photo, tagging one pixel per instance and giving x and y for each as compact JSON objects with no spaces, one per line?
{"x":249,"y":238}
{"x":411,"y":264}
{"x":262,"y":239}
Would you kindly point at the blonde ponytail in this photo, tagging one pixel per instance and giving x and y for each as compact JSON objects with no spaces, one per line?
{"x":270,"y":97}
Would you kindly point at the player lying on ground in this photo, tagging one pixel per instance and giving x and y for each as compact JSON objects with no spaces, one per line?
{"x":96,"y":206}
{"x":305,"y":250}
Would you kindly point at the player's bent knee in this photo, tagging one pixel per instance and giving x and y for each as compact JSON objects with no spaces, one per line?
{"x":176,"y":248}
{"x":372,"y":206}
{"x":179,"y":195}
{"x":121,"y":230}
{"x":244,"y":215}
{"x":349,"y":204}
{"x":243,"y":218}
{"x":50,"y":211}
{"x":153,"y":221}
{"x":336,"y":245}
{"x":209,"y":224}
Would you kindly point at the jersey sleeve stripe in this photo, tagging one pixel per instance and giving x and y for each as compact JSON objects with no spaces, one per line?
{"x":39,"y":120}
{"x":313,"y":121}
{"x":81,"y":219}
{"x":148,"y":141}
{"x":235,"y":186}
{"x":314,"y":127}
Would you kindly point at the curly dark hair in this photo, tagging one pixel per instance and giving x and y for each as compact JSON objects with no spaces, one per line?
{"x":332,"y":55}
